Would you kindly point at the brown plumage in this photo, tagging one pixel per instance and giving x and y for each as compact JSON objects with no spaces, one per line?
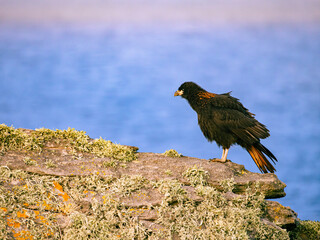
{"x":223,"y":119}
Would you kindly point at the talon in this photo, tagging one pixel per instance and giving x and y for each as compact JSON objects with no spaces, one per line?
{"x":217,"y":160}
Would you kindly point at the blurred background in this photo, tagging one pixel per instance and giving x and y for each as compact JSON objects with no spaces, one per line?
{"x":110,"y":68}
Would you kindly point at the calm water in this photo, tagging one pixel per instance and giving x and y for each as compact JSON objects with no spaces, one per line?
{"x":119,"y":84}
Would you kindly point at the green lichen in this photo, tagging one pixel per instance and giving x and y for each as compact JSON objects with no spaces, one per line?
{"x":227,"y":184}
{"x":216,"y":218}
{"x":11,"y":138}
{"x":127,"y":184}
{"x":105,"y":223}
{"x":32,"y":206}
{"x":110,"y":163}
{"x":196,"y":175}
{"x":29,"y":161}
{"x":50,"y":164}
{"x":36,"y":206}
{"x":25,"y":205}
{"x":168,"y":172}
{"x":172,"y":153}
{"x":172,"y":191}
{"x":74,"y":141}
{"x":103,"y":148}
{"x":306,"y":230}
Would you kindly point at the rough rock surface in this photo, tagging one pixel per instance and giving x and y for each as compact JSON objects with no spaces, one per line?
{"x":152,"y":167}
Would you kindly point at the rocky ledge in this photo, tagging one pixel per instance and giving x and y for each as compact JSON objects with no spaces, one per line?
{"x":62,"y":184}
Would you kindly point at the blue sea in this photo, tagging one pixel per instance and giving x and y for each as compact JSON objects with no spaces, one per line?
{"x":118,"y":83}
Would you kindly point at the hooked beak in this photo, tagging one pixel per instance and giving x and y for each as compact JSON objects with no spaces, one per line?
{"x":178,"y":93}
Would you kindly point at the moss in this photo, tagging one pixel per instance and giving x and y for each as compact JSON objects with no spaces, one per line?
{"x":73,"y":140}
{"x":172,"y":153}
{"x":196,"y":175}
{"x":306,"y":230}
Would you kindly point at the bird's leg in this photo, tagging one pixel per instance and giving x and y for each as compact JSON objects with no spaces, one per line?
{"x":223,"y":157}
{"x":223,"y":153}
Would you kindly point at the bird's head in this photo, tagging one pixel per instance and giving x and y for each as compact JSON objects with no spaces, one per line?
{"x":188,"y":89}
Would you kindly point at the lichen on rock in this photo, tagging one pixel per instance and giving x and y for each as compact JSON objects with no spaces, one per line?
{"x":72,"y":140}
{"x":172,"y":153}
{"x":96,"y":189}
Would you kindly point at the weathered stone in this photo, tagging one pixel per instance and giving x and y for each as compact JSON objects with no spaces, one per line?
{"x":57,"y":160}
{"x":191,"y":194}
{"x":152,"y":166}
{"x":142,"y":198}
{"x":276,"y":214}
{"x":282,"y":216}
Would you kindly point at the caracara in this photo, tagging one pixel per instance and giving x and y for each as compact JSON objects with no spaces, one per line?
{"x":223,"y":119}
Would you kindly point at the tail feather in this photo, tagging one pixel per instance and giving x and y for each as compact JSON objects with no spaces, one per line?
{"x":267,"y":152}
{"x":257,"y":152}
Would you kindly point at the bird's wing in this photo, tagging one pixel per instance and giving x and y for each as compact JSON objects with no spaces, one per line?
{"x":231,"y":116}
{"x":244,"y":127}
{"x":226,"y":101}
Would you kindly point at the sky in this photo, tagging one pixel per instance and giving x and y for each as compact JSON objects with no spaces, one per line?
{"x":143,"y":12}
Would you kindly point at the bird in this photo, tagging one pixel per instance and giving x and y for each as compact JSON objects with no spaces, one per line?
{"x":223,"y":119}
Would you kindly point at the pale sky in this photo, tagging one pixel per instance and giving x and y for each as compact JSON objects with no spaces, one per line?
{"x":160,"y":12}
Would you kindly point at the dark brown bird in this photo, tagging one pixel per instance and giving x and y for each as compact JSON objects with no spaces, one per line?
{"x":223,"y":119}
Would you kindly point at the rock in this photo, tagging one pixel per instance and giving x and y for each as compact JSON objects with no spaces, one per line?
{"x":276,"y":214}
{"x":144,"y":198}
{"x":282,"y":216}
{"x":152,"y":166}
{"x":132,"y":188}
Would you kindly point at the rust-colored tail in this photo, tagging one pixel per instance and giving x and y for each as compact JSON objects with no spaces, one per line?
{"x":258,"y":152}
